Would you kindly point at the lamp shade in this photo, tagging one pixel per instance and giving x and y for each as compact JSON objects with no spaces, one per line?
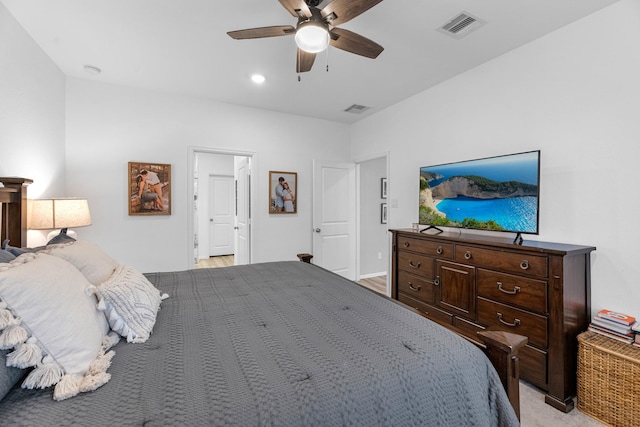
{"x":312,"y":37}
{"x":47,"y":214}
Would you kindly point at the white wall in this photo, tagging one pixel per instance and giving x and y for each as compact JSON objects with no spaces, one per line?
{"x":31,"y":112}
{"x":572,"y":94}
{"x":108,"y":126}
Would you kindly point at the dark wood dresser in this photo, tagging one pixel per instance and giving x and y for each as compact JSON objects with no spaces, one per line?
{"x":470,"y":282}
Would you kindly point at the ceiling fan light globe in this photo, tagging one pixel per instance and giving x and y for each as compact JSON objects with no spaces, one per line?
{"x":312,"y":37}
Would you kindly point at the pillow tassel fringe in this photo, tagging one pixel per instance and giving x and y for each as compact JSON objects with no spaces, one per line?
{"x":101,"y":363}
{"x":92,"y":382}
{"x":12,"y":336}
{"x":68,"y":386}
{"x":111,"y":339}
{"x":96,"y":376}
{"x":45,"y":375}
{"x":6,"y":317}
{"x":25,"y":355}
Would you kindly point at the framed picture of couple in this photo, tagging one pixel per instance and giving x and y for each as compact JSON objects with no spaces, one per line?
{"x":149,"y":188}
{"x":283,"y":192}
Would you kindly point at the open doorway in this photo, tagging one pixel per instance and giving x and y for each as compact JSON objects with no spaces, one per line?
{"x":220,"y":223}
{"x":372,"y":216}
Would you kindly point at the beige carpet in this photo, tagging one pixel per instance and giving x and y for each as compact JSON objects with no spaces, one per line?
{"x":535,"y":413}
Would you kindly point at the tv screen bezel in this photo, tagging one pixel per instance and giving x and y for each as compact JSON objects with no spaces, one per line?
{"x":461,"y":162}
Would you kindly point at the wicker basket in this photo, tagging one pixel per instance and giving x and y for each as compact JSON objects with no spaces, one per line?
{"x":608,"y":380}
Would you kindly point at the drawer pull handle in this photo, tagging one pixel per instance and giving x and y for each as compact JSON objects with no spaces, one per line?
{"x":439,"y":250}
{"x":413,"y":288}
{"x":405,"y":244}
{"x":524,"y":264}
{"x":513,"y":325}
{"x":412,"y":265}
{"x":467,"y":255}
{"x":436,"y":281}
{"x":515,"y":290}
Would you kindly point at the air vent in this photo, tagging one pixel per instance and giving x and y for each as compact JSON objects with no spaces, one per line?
{"x":357,"y":109}
{"x":461,"y":25}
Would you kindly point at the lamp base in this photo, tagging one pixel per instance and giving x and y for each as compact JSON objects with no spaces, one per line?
{"x":66,"y":231}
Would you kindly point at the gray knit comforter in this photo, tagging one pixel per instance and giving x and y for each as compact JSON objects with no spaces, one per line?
{"x":282,"y":344}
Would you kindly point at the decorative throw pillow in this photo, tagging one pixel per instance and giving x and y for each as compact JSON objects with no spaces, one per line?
{"x":6,"y":256}
{"x":9,"y":376}
{"x":130,"y":303}
{"x":5,"y":246}
{"x":87,"y":257}
{"x":51,"y":323}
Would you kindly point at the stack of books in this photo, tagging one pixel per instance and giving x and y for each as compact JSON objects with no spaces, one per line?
{"x":615,"y":325}
{"x":636,"y":329}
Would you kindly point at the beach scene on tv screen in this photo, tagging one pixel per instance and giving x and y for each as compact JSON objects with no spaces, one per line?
{"x":498,"y":193}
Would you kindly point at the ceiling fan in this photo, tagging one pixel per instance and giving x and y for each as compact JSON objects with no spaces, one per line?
{"x":316,"y":29}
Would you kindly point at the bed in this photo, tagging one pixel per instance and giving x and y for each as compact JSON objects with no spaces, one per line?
{"x":284,"y":343}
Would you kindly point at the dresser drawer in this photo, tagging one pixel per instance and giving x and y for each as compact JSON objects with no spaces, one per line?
{"x":529,"y":294}
{"x":441,"y":250}
{"x":417,"y":287}
{"x":534,"y":366}
{"x":416,"y":264}
{"x":514,"y":320}
{"x":533,"y":265}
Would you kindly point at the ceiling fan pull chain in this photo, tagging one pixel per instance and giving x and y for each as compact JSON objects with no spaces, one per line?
{"x":327,"y":59}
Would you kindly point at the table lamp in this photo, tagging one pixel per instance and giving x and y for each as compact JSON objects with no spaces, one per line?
{"x":47,"y":214}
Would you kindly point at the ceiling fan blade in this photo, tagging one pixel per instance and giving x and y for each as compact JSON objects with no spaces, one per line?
{"x":345,"y":10}
{"x":354,"y":43}
{"x":304,"y":61}
{"x":297,"y":8}
{"x":257,"y":33}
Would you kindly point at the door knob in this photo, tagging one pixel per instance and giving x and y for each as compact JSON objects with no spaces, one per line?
{"x":236,"y":228}
{"x":317,"y":230}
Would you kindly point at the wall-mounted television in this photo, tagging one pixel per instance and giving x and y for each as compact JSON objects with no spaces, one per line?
{"x":498,"y":193}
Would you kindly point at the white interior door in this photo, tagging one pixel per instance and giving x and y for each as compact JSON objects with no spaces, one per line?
{"x":243,"y":211}
{"x":334,"y":217}
{"x":221,"y":215}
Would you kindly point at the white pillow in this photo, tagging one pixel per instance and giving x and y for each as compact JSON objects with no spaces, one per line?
{"x":51,"y":323}
{"x":87,"y":257}
{"x":130,"y":303}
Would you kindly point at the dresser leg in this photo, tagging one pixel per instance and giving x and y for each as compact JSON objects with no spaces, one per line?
{"x":561,"y":405}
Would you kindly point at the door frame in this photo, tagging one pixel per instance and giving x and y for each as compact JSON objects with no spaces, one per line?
{"x":191,"y":227}
{"x":390,"y":204}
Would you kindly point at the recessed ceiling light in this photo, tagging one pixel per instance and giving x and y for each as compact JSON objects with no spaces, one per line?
{"x":90,"y":69}
{"x":258,"y":78}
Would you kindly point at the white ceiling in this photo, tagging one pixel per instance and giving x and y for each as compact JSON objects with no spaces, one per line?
{"x":181,"y":46}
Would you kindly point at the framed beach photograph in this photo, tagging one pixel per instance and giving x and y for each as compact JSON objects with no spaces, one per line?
{"x":383,"y":188}
{"x":383,"y":213}
{"x":283,"y":192}
{"x":149,"y":188}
